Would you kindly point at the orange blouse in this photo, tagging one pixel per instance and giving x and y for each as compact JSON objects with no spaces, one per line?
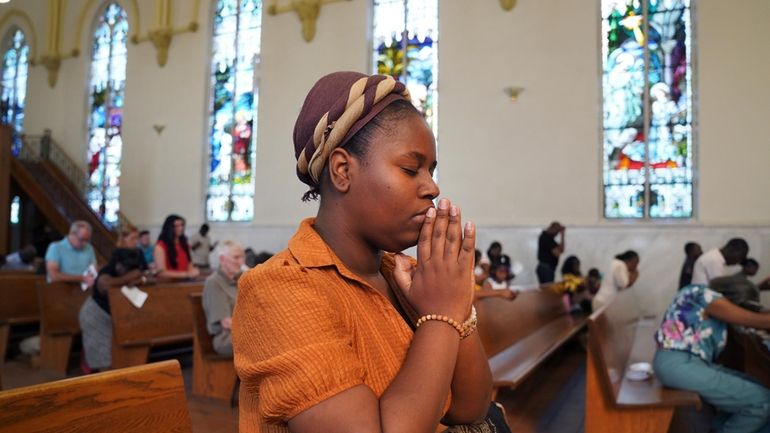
{"x":306,"y":328}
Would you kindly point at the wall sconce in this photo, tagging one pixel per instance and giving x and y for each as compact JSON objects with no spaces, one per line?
{"x":513,"y":92}
{"x":507,"y":4}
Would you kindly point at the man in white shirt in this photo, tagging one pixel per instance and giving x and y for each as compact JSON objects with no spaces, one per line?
{"x":714,"y":263}
{"x":201,"y":247}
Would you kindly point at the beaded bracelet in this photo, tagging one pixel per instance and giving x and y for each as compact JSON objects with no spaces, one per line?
{"x":465,"y":329}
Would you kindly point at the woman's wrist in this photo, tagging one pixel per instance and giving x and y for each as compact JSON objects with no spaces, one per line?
{"x":464,"y":329}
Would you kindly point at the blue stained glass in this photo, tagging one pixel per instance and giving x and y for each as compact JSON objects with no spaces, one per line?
{"x":13,"y":84}
{"x":405,"y":46}
{"x":105,"y":120}
{"x":647,"y":97}
{"x":232,"y":105}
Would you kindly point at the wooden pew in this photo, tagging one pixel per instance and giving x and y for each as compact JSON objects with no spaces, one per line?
{"x":745,"y":352}
{"x":165,"y":318}
{"x":618,"y":337}
{"x":213,"y":374}
{"x":18,"y":303}
{"x":59,"y":308}
{"x":520,"y":334}
{"x":148,"y":398}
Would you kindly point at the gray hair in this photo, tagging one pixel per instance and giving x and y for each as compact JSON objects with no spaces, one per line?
{"x":77,"y":225}
{"x":225,"y":247}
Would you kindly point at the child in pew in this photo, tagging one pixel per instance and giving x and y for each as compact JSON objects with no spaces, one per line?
{"x":691,"y":336}
{"x":497,"y":285}
{"x":126,"y":268}
{"x":340,"y":332}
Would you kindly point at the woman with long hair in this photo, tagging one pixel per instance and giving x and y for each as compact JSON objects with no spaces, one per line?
{"x":172,"y":253}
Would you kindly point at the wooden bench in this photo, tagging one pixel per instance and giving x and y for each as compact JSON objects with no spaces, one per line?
{"x":213,"y":374}
{"x":149,"y":398}
{"x":165,"y":318}
{"x":520,"y":334}
{"x":18,"y":303}
{"x":745,"y":352}
{"x":59,"y":308}
{"x":618,"y":337}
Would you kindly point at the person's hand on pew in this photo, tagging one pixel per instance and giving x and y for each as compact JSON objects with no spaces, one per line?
{"x":193,"y":272}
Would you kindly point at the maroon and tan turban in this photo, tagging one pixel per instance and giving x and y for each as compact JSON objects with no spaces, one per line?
{"x":337,"y":107}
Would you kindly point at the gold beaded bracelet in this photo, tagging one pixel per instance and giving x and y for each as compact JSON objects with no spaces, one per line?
{"x":465,"y":329}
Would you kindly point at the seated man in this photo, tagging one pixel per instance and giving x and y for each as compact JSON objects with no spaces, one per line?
{"x":70,"y":258}
{"x":219,"y":293}
{"x":738,"y":288}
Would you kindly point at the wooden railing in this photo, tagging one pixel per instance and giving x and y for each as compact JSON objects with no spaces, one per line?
{"x":39,"y":148}
{"x":59,"y":186}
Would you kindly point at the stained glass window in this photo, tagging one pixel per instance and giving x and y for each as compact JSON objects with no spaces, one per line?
{"x":405,"y":45}
{"x":647,"y":93}
{"x":233,"y":110}
{"x":13,"y":85}
{"x":106,"y":91}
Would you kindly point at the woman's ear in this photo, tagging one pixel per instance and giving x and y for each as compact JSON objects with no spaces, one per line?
{"x":339,"y":165}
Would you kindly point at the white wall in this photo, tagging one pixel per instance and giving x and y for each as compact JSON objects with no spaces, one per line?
{"x":513,"y":167}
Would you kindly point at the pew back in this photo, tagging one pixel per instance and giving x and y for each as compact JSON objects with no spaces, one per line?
{"x":18,"y":303}
{"x":520,"y":335}
{"x":617,"y":337}
{"x":165,"y":318}
{"x":59,"y":308}
{"x":213,"y":374}
{"x":502,"y":323}
{"x":147,"y":398}
{"x":19,"y":297}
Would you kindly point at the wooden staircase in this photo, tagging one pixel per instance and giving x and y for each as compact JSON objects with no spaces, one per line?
{"x":56,"y":185}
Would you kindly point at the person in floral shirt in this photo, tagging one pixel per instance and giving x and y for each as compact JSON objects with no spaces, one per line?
{"x":690,"y":338}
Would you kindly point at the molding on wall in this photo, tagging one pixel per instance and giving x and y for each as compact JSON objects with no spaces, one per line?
{"x":307,"y":11}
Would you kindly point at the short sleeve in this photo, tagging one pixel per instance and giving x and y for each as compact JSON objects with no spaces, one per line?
{"x":706,"y":296}
{"x":291,"y":345}
{"x":52,"y":254}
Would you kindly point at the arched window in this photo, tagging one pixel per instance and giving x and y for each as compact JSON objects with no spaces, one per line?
{"x":405,"y":45}
{"x":648,"y":116}
{"x":106,"y":91}
{"x":13,"y":87}
{"x":233,"y":110}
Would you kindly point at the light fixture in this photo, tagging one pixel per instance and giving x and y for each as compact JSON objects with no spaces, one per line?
{"x":5,"y":1}
{"x":513,"y":92}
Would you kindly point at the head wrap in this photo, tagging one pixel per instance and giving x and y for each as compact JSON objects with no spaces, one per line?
{"x":337,"y":107}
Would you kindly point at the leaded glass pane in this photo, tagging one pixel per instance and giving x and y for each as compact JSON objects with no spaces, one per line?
{"x":647,"y":105}
{"x":233,"y":105}
{"x":13,"y":84}
{"x":405,"y":46}
{"x":624,"y":201}
{"x":105,"y":120}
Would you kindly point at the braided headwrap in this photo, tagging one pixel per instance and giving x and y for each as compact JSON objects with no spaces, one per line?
{"x":337,"y":107}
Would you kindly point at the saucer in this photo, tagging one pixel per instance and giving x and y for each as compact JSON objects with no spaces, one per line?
{"x":641,"y":367}
{"x":637,"y":375}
